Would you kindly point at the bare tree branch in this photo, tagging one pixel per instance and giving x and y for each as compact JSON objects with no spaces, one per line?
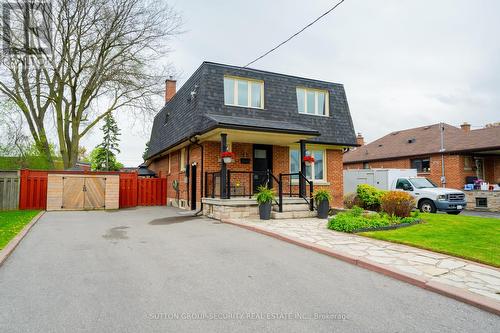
{"x":88,"y":58}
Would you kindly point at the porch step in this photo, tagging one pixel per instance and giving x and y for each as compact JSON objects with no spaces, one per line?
{"x":292,"y":207}
{"x":293,"y":214}
{"x":293,"y":200}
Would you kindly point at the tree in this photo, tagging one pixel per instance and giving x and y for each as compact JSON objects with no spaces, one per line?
{"x":103,"y":160}
{"x":85,"y":60}
{"x":145,"y":151}
{"x":109,"y":144}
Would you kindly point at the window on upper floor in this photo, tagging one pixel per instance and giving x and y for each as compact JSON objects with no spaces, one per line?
{"x":421,"y":164}
{"x":312,"y":101}
{"x":243,"y":92}
{"x":314,"y":172}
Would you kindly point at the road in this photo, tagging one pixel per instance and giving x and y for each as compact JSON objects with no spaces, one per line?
{"x":149,"y":270}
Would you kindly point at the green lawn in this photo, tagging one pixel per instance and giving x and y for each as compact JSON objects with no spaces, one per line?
{"x":470,"y":237}
{"x":13,"y":221}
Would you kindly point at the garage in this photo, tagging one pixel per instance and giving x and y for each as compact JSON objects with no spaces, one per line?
{"x":82,"y":191}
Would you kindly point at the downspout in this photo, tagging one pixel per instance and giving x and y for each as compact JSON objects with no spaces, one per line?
{"x":202,"y":183}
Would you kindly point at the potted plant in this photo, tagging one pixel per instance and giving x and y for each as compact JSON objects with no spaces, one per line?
{"x":265,"y":197}
{"x":227,"y":156}
{"x":322,"y":198}
{"x":308,"y":160}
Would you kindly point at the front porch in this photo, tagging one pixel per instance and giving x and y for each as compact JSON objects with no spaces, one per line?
{"x":244,"y":207}
{"x":229,"y":189}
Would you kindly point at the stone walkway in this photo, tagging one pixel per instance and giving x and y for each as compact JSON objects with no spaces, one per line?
{"x":476,"y":278}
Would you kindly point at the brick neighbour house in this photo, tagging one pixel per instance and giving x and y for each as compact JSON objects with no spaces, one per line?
{"x":468,"y":153}
{"x":267,"y":120}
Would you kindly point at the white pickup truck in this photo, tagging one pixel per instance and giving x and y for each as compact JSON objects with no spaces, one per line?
{"x":428,"y":196}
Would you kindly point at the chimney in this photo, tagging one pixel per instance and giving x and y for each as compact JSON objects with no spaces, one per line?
{"x":360,"y":140}
{"x":465,"y":127}
{"x":170,"y":88}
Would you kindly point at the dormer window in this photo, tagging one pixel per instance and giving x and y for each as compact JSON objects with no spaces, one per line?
{"x":243,"y":92}
{"x":312,"y":101}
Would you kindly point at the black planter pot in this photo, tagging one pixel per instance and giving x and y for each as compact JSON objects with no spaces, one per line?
{"x":323,"y":208}
{"x":265,"y":211}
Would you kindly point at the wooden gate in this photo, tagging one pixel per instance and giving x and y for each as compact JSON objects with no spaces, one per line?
{"x":83,"y":193}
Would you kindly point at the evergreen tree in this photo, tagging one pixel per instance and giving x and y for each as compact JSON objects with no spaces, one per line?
{"x":145,"y":151}
{"x":103,"y":157}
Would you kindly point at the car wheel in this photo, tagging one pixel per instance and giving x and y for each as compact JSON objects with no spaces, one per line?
{"x":455,"y":212}
{"x":427,"y":206}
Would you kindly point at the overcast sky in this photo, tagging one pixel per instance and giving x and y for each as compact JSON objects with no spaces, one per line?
{"x":403,"y":63}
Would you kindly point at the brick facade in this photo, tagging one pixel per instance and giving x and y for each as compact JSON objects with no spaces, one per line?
{"x":211,"y":163}
{"x":456,"y":169}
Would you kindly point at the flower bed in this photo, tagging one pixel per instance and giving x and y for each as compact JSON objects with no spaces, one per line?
{"x":357,"y":220}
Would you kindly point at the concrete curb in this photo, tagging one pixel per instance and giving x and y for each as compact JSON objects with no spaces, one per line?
{"x":11,"y":246}
{"x":458,"y":294}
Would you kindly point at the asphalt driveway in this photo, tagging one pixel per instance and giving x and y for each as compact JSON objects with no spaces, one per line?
{"x":140,"y":271}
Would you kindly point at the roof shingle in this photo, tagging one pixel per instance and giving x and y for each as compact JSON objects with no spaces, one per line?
{"x":425,"y":140}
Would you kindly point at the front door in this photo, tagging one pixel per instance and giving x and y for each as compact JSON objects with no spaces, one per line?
{"x":262,"y":161}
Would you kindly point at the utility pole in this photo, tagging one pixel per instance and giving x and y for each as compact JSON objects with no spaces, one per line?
{"x":442,"y":150}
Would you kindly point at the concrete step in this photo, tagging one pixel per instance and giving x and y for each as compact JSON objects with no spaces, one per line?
{"x":292,"y":200}
{"x":292,"y":207}
{"x":293,"y":214}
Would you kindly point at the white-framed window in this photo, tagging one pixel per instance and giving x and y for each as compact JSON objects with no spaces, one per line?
{"x":313,"y":101}
{"x":243,"y":92}
{"x":315,"y":172}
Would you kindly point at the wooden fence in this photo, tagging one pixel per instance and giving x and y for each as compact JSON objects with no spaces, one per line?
{"x":9,"y":190}
{"x":135,"y":191}
{"x":28,"y":189}
{"x":33,"y":189}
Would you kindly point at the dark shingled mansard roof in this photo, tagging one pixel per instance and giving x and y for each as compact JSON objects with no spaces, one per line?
{"x":425,"y":140}
{"x":185,"y":116}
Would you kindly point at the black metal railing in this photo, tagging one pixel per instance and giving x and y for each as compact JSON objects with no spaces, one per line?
{"x":289,"y":184}
{"x":242,"y":184}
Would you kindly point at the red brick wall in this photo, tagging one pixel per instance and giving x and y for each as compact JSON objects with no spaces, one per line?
{"x":496,"y":168}
{"x":402,"y":163}
{"x":455,"y":171}
{"x":281,"y":164}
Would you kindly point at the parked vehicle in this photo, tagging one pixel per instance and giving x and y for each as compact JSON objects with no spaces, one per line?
{"x":428,"y":196}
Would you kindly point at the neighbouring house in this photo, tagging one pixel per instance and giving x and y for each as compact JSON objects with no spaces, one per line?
{"x":466,"y":154}
{"x":268,"y":121}
{"x":80,"y":166}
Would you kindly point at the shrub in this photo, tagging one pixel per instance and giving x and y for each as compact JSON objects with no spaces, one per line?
{"x":369,"y":196}
{"x":397,"y":203}
{"x":354,"y":219}
{"x":264,"y":195}
{"x":351,"y":200}
{"x":320,"y":195}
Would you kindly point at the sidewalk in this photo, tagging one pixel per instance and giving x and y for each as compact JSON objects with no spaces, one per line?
{"x":425,"y":265}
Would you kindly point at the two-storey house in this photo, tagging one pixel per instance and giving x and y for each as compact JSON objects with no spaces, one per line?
{"x":269,"y":121}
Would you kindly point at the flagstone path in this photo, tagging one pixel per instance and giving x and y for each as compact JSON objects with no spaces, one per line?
{"x":476,"y":278}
